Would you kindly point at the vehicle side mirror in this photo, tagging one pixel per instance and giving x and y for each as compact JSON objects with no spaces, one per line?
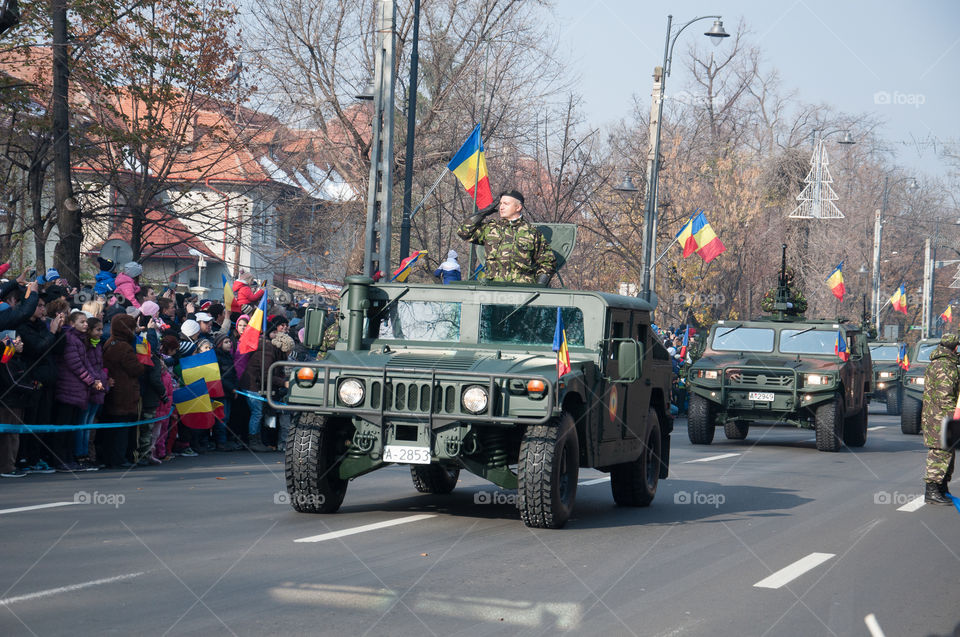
{"x":315,"y":322}
{"x":949,"y":433}
{"x":630,"y":362}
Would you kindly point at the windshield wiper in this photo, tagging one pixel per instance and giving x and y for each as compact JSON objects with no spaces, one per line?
{"x":529,"y":300}
{"x":803,"y":331}
{"x":731,"y":330}
{"x":392,"y":301}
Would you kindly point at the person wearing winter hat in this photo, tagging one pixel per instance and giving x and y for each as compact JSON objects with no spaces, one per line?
{"x":105,"y":282}
{"x":449,"y":270}
{"x":51,"y":275}
{"x":127,"y":284}
{"x":189,"y":335}
{"x":244,"y":299}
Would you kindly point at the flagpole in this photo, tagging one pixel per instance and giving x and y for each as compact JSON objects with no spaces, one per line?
{"x":664,"y":253}
{"x":430,"y":192}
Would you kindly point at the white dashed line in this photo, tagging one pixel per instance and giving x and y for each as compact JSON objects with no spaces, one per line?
{"x":873,"y":626}
{"x":67,"y":589}
{"x":323,"y":537}
{"x":876,"y":428}
{"x":789,"y":573}
{"x":597,"y":481}
{"x":712,"y":458}
{"x":35,"y":507}
{"x":912,"y":505}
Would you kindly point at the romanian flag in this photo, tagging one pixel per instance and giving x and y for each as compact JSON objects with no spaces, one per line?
{"x":250,"y":339}
{"x":560,"y":346}
{"x":835,"y":282}
{"x":406,"y":266}
{"x":194,"y":405}
{"x":698,"y":236}
{"x":203,"y":367}
{"x":8,"y":351}
{"x":903,"y":359}
{"x":143,"y":350}
{"x":686,"y":342}
{"x":840,"y":347}
{"x":227,"y":294}
{"x":476,"y":271}
{"x":947,"y":315}
{"x":685,"y":238}
{"x":899,"y":299}
{"x":470,"y":167}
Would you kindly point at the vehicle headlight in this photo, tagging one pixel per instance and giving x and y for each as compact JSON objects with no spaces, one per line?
{"x":709,"y":374}
{"x":816,"y":379}
{"x":350,"y":392}
{"x":886,"y":374}
{"x":475,"y":399}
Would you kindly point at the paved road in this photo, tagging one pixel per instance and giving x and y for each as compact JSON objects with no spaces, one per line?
{"x":761,"y":537}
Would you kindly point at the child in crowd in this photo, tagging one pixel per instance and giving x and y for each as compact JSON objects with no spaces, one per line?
{"x":94,"y":355}
{"x":167,"y":429}
{"x":75,"y":380}
{"x":127,"y":282}
{"x":106,"y":284}
{"x":228,"y":378}
{"x":122,"y":403}
{"x":153,"y":393}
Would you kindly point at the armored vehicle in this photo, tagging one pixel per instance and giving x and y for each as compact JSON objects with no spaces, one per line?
{"x":910,"y":422}
{"x":465,"y":377}
{"x":887,"y":375}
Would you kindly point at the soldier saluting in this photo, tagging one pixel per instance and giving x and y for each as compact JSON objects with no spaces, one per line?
{"x":515,"y":250}
{"x":941,"y":384}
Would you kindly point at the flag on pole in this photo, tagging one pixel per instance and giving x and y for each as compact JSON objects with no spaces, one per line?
{"x":227,"y":294}
{"x":899,"y":299}
{"x":835,"y":282}
{"x":194,"y":406}
{"x":698,"y":236}
{"x":560,"y":346}
{"x":470,"y":167}
{"x":250,"y":339}
{"x":406,"y":266}
{"x":903,"y":359}
{"x":685,"y":238}
{"x":947,"y":315}
{"x":840,"y":346}
{"x":686,"y":342}
{"x":143,"y":350}
{"x":8,"y":351}
{"x":203,"y":367}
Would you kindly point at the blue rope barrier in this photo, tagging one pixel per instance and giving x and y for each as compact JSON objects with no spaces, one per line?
{"x":45,"y":429}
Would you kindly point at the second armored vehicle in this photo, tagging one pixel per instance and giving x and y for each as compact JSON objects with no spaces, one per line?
{"x":910,"y":423}
{"x":887,"y":375}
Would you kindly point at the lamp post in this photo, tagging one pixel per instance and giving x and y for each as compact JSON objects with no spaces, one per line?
{"x":660,"y":75}
{"x":878,"y":236}
{"x":411,"y":134}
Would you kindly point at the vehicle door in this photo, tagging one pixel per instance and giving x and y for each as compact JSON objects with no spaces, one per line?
{"x":638,"y":392}
{"x":614,"y":399}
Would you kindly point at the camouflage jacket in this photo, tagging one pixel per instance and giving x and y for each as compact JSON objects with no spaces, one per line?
{"x":795,"y":296}
{"x":941,"y":383}
{"x":515,"y":250}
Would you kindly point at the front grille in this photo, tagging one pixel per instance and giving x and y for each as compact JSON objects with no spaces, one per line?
{"x":414,"y":397}
{"x":761,"y":379}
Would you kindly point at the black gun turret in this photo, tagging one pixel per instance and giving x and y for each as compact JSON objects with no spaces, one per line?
{"x":782,"y":300}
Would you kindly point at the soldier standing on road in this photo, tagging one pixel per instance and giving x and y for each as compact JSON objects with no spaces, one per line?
{"x":941,"y":384}
{"x":796,"y":302}
{"x":515,"y":250}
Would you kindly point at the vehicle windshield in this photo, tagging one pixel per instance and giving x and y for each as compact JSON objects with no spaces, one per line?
{"x":432,"y":321}
{"x":923,"y":355}
{"x":809,"y":342}
{"x":531,"y":325}
{"x":884,"y":352}
{"x":743,"y":339}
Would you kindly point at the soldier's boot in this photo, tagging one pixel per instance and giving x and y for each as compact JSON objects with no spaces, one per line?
{"x":943,"y":486}
{"x":932,"y":495}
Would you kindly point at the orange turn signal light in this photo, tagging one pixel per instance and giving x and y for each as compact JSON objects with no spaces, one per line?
{"x":536,"y":386}
{"x":306,"y":374}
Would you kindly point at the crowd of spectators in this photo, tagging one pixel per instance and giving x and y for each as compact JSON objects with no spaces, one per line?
{"x":680,"y":359}
{"x":70,"y":357}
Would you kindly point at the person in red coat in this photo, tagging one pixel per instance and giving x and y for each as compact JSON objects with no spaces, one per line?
{"x":244,"y":296}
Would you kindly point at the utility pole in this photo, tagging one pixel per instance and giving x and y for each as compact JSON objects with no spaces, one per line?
{"x":927,"y":289}
{"x":877,"y":235}
{"x":411,"y":134}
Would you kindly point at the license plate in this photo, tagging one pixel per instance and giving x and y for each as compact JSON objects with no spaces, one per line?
{"x":404,"y":454}
{"x":761,"y":396}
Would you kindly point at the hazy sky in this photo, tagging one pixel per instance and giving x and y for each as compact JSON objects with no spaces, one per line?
{"x":897,"y":60}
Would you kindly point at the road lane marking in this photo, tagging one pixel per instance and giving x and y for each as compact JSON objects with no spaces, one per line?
{"x":876,"y":428}
{"x":712,"y":458}
{"x":597,"y":481}
{"x":912,"y":505}
{"x":67,"y":589}
{"x":36,"y":507}
{"x":873,"y":626}
{"x":323,"y":537}
{"x":789,"y":573}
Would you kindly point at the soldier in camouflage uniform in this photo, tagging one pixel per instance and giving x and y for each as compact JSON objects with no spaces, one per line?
{"x":941,"y":384}
{"x":515,"y":250}
{"x":796,"y":301}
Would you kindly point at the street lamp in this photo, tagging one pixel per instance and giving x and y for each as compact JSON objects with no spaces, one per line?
{"x":660,"y":75}
{"x":878,"y":235}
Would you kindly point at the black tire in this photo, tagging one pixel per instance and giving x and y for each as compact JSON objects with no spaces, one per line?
{"x":434,"y":478}
{"x":312,"y":462}
{"x":894,"y":399}
{"x":855,"y":429}
{"x":634,"y":484}
{"x":547,"y":473}
{"x":736,"y":429}
{"x":910,"y":416}
{"x":701,"y":419}
{"x":829,"y":424}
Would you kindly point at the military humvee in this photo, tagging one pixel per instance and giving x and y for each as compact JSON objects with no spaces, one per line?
{"x":464,"y":376}
{"x":910,"y":422}
{"x":887,"y":375}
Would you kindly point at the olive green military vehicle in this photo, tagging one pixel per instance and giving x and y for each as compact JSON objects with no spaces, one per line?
{"x":887,"y":375}
{"x":781,"y":372}
{"x":465,"y":377}
{"x":910,"y":421}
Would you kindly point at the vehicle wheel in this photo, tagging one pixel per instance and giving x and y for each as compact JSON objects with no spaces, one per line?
{"x":434,"y":478}
{"x":634,"y":484}
{"x":910,"y":416}
{"x":829,"y":423}
{"x":736,"y":429}
{"x":312,"y":462}
{"x":701,"y":419}
{"x":547,"y":473}
{"x":894,"y":399}
{"x":855,"y":429}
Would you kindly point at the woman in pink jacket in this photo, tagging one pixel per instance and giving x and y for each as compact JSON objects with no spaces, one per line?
{"x":127,"y":283}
